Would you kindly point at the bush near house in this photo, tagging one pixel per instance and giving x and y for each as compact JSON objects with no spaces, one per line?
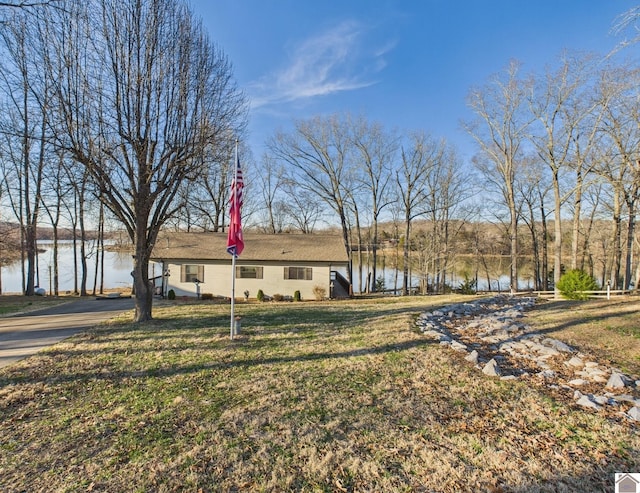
{"x":319,"y":292}
{"x":260,"y":295}
{"x":574,"y":282}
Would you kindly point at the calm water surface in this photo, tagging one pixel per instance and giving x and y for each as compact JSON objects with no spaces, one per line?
{"x":117,"y":269}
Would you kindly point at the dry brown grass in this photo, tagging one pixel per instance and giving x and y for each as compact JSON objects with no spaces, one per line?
{"x":332,"y":396}
{"x":609,"y":329}
{"x":12,"y":304}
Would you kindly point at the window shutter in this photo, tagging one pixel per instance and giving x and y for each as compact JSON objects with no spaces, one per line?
{"x":258,"y":272}
{"x":286,"y":272}
{"x":183,"y":273}
{"x":201,"y":273}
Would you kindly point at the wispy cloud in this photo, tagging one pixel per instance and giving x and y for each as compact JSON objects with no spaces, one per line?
{"x":333,"y":61}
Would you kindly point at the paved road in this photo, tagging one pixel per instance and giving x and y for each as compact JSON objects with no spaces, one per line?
{"x":26,"y":334}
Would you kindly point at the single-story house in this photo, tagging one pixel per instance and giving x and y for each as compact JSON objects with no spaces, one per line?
{"x":196,"y":263}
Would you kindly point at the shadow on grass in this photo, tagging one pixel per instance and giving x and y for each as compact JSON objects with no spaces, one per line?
{"x":614,"y":310}
{"x":100,"y":351}
{"x":283,"y":319}
{"x":119,"y":376}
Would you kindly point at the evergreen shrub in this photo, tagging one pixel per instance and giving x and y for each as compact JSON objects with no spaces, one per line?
{"x":574,"y":282}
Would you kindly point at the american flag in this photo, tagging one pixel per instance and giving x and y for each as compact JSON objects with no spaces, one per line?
{"x":235,"y":243}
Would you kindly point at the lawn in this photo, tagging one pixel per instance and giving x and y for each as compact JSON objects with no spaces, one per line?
{"x":12,"y":304}
{"x":330,"y":396}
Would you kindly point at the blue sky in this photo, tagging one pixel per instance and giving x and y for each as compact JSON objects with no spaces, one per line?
{"x":407,"y":64}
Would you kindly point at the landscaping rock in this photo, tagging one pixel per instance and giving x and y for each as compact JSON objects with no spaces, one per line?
{"x":577,"y":382}
{"x":491,"y":368}
{"x":585,"y":401}
{"x":602,"y":400}
{"x":626,"y":398}
{"x":491,"y":328}
{"x":509,"y":377}
{"x":575,"y":362}
{"x":458,"y":346}
{"x":547,"y":374}
{"x":617,"y":381}
{"x":558,"y":345}
{"x":472,"y":357}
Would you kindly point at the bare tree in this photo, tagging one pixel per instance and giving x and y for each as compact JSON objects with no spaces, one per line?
{"x":140,"y":102}
{"x":418,"y":160}
{"x":563,"y":105}
{"x":447,"y":187}
{"x":619,"y":162}
{"x":54,"y":203}
{"x":533,"y":188}
{"x":317,"y":151}
{"x":270,"y":185}
{"x":24,"y":128}
{"x":302,"y":208}
{"x":375,"y":150}
{"x":500,"y":130}
{"x":593,"y":198}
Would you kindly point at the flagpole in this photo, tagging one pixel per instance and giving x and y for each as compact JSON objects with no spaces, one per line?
{"x":233,"y":295}
{"x":233,"y":257}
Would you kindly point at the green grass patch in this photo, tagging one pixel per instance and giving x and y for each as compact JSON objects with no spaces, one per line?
{"x":626,"y":330}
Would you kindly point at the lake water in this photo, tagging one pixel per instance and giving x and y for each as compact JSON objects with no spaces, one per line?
{"x":118,"y":267}
{"x":117,"y":271}
{"x":391,"y":281}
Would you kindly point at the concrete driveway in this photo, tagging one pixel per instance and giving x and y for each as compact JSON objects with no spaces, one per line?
{"x":26,"y":334}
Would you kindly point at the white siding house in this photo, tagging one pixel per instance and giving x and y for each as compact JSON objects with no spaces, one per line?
{"x":196,"y":263}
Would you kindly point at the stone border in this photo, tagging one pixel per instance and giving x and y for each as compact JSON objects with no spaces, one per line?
{"x":501,"y":345}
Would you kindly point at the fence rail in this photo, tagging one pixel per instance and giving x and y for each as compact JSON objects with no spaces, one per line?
{"x":602,"y":294}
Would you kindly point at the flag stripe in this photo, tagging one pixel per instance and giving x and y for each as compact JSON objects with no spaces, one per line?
{"x":235,"y":242}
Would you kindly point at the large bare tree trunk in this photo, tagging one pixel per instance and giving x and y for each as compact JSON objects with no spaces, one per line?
{"x":557,"y":235}
{"x":617,"y":242}
{"x":575,"y":229}
{"x":140,"y":106}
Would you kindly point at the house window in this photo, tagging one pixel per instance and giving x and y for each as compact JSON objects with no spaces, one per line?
{"x":248,"y":272}
{"x":191,"y":273}
{"x":299,"y":273}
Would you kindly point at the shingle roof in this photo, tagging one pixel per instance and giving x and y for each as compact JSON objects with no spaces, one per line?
{"x":257,"y":247}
